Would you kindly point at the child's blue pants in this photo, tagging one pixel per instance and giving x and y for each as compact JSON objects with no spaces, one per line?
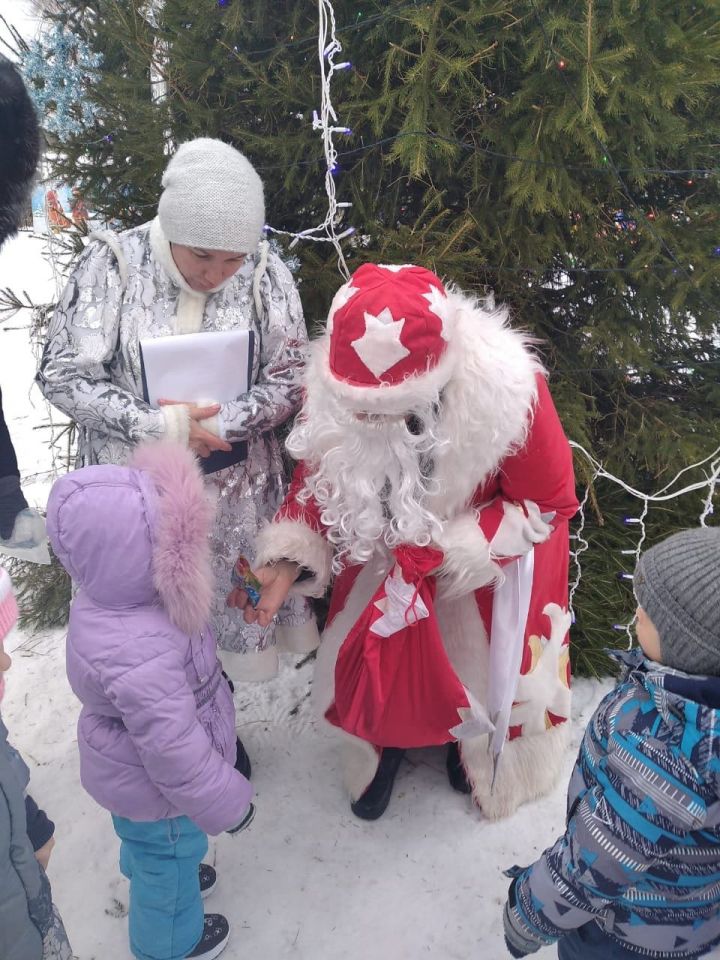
{"x":161,"y":861}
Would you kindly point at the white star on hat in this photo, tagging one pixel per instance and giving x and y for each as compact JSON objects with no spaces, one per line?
{"x":440,"y":306}
{"x":345,"y":293}
{"x":379,"y":348}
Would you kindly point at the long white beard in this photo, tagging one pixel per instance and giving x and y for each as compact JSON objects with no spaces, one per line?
{"x":370,"y":477}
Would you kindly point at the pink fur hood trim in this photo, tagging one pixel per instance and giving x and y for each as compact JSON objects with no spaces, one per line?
{"x":181,"y":567}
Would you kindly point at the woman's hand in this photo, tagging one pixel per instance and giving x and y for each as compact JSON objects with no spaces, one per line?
{"x":202,"y":441}
{"x":275,"y":583}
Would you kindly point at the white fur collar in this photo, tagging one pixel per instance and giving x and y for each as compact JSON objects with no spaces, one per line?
{"x":160,"y":246}
{"x":487,"y":404}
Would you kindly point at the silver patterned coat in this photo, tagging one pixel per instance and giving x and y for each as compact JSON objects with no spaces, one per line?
{"x":125,"y":288}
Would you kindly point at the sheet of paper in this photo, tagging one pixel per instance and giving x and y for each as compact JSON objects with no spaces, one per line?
{"x":214,"y":366}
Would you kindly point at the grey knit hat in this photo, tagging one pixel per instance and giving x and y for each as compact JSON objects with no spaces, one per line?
{"x":213,"y":198}
{"x":677,"y":583}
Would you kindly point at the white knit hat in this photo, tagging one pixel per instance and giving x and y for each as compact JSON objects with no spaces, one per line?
{"x":213,"y":198}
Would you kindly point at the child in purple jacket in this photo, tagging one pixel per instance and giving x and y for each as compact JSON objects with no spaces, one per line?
{"x":157,"y":727}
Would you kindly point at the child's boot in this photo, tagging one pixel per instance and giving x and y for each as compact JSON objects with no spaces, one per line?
{"x":216,"y":933}
{"x":208,"y":879}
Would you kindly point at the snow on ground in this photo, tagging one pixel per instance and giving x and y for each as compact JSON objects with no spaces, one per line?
{"x":307,"y":880}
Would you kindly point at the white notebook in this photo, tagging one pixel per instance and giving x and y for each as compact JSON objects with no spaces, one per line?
{"x":215,"y":366}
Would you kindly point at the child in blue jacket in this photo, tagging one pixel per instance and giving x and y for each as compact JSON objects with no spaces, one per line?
{"x":637,"y":872}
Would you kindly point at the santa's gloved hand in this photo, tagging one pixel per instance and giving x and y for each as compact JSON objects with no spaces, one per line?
{"x":519,"y":938}
{"x":12,"y":502}
{"x":245,"y":822}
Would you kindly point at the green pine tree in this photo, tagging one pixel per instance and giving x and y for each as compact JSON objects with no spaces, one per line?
{"x":560,"y":155}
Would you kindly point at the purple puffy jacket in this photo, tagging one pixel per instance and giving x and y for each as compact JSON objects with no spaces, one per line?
{"x":157,"y":726}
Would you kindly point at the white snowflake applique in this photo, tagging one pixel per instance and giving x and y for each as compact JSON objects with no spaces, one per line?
{"x":380,"y":348}
{"x":544,"y":688}
{"x":401,"y":606}
{"x":346,"y":292}
{"x":475,"y":721}
{"x":441,"y":307}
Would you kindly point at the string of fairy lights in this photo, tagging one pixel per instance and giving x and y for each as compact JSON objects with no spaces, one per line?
{"x":327,"y":123}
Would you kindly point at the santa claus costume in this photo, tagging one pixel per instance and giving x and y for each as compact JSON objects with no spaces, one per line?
{"x":435,"y":484}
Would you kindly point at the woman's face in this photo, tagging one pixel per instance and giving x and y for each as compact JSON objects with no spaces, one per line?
{"x":204,"y":270}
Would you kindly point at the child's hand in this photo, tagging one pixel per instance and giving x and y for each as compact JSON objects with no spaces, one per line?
{"x":43,"y":854}
{"x":275,"y":582}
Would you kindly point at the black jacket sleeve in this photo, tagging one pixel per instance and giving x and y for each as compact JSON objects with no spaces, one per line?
{"x":39,"y":826}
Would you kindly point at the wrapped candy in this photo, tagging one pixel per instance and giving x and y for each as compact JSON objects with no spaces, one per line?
{"x":243,"y":577}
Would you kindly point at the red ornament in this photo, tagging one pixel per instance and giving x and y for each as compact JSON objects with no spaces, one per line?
{"x":561,"y":64}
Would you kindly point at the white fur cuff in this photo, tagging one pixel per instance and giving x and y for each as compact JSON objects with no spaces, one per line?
{"x":214,"y":424}
{"x":295,"y":541}
{"x":467,"y":565}
{"x":177,"y":423}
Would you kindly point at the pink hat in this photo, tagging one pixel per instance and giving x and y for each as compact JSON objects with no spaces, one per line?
{"x":389,"y":329}
{"x":8,"y":605}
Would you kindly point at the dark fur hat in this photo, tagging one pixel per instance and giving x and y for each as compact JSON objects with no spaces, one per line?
{"x":19,"y":147}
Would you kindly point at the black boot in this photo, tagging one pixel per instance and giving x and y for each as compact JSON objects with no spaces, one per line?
{"x":242,"y":762}
{"x":373,"y":803}
{"x":455,"y":770}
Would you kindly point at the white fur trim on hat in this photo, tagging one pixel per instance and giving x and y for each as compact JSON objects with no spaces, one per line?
{"x":295,"y":541}
{"x":213,"y":198}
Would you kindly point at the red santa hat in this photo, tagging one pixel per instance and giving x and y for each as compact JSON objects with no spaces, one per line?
{"x":388,"y":343}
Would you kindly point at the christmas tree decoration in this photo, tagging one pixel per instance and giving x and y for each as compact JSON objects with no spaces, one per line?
{"x":465,"y":159}
{"x":60,"y":70}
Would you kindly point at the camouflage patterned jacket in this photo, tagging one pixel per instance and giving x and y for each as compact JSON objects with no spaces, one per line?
{"x":641,"y":852}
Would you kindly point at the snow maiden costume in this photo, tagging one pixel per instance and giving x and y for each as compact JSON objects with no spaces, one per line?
{"x":126,"y":288}
{"x":436,"y":482}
